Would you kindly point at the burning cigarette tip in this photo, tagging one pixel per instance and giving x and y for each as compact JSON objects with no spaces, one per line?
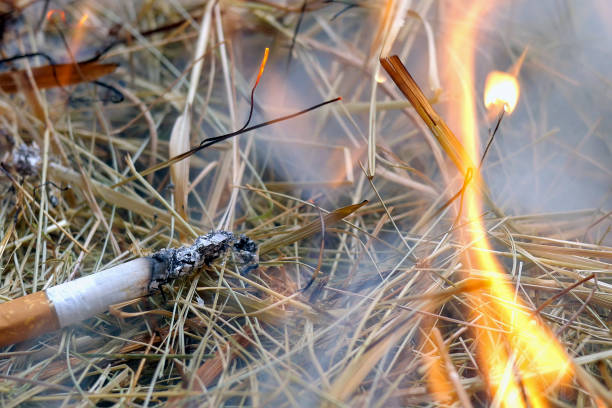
{"x":173,"y":263}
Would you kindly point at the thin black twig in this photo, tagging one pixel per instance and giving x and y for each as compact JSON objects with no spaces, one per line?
{"x":262,"y":66}
{"x":217,"y":139}
{"x":296,"y":32}
{"x":43,"y":15}
{"x":563,"y":292}
{"x":48,"y":183}
{"x":576,"y":314}
{"x":50,"y":60}
{"x":348,"y":5}
{"x":491,"y":137}
{"x":116,"y":95}
{"x":28,"y":55}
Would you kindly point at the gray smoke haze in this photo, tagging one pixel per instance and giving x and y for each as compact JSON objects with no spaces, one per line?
{"x":554,"y":153}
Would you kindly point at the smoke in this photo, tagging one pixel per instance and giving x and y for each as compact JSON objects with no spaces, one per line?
{"x":554,"y":152}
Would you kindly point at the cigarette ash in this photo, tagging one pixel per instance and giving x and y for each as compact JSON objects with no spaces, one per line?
{"x":26,"y":159}
{"x":23,"y":160}
{"x":173,"y":263}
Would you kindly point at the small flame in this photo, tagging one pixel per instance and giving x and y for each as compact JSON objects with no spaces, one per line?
{"x":262,"y":67}
{"x":83,"y":19}
{"x":501,"y":89}
{"x":60,"y":13}
{"x":78,"y":33}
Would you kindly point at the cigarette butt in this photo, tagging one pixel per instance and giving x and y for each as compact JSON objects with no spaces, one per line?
{"x":85,"y":297}
{"x":71,"y":302}
{"x":26,"y":317}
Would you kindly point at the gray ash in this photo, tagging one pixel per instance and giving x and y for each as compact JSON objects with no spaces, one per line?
{"x":176,"y":262}
{"x":246,"y":250}
{"x":26,"y":159}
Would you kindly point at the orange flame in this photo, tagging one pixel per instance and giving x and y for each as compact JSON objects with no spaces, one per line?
{"x":262,"y":67}
{"x":501,"y":89}
{"x":78,"y":34}
{"x":83,"y":19}
{"x":52,"y":12}
{"x":518,"y":356}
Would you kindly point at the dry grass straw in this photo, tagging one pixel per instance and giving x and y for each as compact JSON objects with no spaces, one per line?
{"x":388,"y":269}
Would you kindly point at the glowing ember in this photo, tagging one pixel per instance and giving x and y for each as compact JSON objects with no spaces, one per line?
{"x":501,"y":89}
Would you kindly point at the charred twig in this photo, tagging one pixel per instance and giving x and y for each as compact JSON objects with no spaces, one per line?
{"x":48,"y":183}
{"x":295,"y":32}
{"x":491,"y":137}
{"x":576,"y":314}
{"x":347,"y":6}
{"x":216,"y":139}
{"x":563,"y":292}
{"x":262,"y":67}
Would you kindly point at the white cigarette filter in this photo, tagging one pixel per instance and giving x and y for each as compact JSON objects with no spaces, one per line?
{"x":82,"y":298}
{"x":71,"y":302}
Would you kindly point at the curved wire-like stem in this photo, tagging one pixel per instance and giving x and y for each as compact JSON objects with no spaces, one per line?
{"x":217,"y":139}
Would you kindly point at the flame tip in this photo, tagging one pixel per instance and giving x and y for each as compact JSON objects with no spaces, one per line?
{"x":83,"y":19}
{"x":501,"y":90}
